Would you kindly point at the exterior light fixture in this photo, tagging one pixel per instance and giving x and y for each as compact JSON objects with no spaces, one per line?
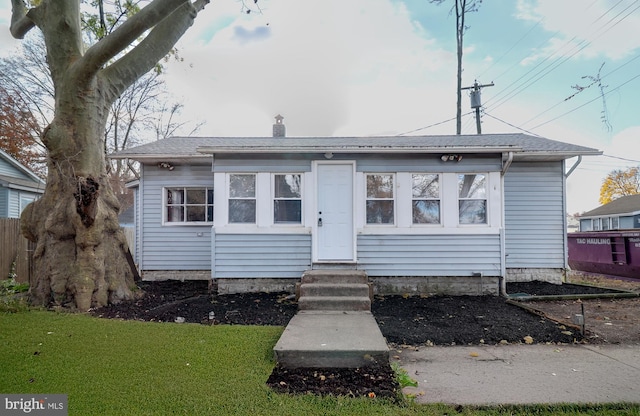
{"x":328,"y":155}
{"x":165,"y":165}
{"x":451,"y":158}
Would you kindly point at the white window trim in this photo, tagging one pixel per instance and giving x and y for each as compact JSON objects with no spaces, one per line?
{"x":264,"y":206}
{"x":167,"y":223}
{"x":255,"y":198}
{"x":273,"y":200}
{"x":394,"y":180}
{"x":449,"y":219}
{"x":487,"y":199}
{"x":439,"y":199}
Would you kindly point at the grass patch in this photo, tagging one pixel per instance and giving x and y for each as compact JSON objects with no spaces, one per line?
{"x":13,"y":296}
{"x":110,"y":367}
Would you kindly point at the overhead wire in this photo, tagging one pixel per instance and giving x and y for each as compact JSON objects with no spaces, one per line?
{"x":508,"y":92}
{"x":575,"y":48}
{"x":586,"y":103}
{"x":565,"y":100}
{"x":430,"y":125}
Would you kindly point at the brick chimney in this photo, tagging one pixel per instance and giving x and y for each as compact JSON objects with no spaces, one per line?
{"x":278,"y":128}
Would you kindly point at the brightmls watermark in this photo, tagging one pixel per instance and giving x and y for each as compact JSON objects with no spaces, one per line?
{"x":34,"y":404}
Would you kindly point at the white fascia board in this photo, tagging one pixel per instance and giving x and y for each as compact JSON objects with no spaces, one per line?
{"x":353,"y":149}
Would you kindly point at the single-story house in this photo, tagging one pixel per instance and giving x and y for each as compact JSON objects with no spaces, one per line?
{"x":620,"y":214}
{"x":19,"y":186}
{"x":419,"y":214}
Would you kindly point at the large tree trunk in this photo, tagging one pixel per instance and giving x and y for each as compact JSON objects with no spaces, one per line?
{"x":80,"y":251}
{"x":80,"y":258}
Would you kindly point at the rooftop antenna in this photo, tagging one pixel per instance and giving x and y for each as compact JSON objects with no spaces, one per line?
{"x":476,"y":102}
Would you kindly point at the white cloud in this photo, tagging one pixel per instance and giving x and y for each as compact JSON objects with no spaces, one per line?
{"x":584,"y":29}
{"x":7,"y":42}
{"x":343,"y":67}
{"x":583,"y":186}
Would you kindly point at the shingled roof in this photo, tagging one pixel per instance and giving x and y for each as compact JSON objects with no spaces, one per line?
{"x":629,"y":205}
{"x":523,"y":146}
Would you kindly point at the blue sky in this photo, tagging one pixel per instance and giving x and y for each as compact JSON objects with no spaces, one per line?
{"x":387,"y":67}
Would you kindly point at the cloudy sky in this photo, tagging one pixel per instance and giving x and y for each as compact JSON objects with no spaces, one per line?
{"x":388,"y":67}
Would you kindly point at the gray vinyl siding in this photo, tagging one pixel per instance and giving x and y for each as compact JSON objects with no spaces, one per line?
{"x":4,"y":203}
{"x":172,"y":247}
{"x":430,"y":163}
{"x":429,"y":255}
{"x":9,"y":203}
{"x":534,"y":215}
{"x":7,"y":169}
{"x":274,"y":165}
{"x":14,"y":204}
{"x":136,"y":249}
{"x":261,"y":255}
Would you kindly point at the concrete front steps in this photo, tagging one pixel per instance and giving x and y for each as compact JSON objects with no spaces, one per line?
{"x":334,"y":290}
{"x":334,"y":327}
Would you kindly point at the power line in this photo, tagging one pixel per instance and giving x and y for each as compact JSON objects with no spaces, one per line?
{"x":582,"y":105}
{"x":622,"y":158}
{"x":565,"y":100}
{"x":560,"y":60}
{"x":511,"y":125}
{"x":511,"y":48}
{"x":431,"y":125}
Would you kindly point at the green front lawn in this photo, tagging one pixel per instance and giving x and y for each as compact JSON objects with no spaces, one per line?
{"x":110,"y":367}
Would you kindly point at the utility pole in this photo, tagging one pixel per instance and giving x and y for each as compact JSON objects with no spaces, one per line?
{"x":476,"y":101}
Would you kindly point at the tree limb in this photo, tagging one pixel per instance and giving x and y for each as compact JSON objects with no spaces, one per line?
{"x":21,"y":24}
{"x":141,"y":59}
{"x":118,"y":40}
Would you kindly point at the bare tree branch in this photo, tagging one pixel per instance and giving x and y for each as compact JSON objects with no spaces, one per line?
{"x":134,"y":27}
{"x":21,"y":24}
{"x":153,"y":47}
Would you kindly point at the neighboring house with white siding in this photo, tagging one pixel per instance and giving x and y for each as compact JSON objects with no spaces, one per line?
{"x":19,"y":186}
{"x":620,"y":214}
{"x":420,"y":214}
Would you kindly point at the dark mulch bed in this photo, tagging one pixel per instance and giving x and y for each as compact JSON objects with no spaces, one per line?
{"x":168,"y":300}
{"x":548,"y":289}
{"x":437,"y":320}
{"x":462,"y":320}
{"x":377,"y":380}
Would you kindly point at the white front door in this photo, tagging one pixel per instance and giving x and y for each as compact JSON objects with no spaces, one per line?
{"x":334,"y":231}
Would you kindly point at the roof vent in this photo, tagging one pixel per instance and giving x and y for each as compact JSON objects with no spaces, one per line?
{"x":278,"y":128}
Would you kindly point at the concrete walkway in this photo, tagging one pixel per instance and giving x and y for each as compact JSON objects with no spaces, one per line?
{"x":523,"y":374}
{"x":331,"y":339}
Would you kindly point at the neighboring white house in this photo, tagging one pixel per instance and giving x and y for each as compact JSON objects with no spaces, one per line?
{"x":19,"y":186}
{"x":620,"y":214}
{"x":428,"y":214}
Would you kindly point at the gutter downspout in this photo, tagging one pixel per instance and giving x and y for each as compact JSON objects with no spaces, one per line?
{"x":503,"y":254}
{"x":565,"y":222}
{"x":575,"y":165}
{"x":507,"y":163}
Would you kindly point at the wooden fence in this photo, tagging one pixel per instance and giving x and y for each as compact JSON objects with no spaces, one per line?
{"x":15,"y":251}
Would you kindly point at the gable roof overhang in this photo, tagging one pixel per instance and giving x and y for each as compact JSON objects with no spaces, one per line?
{"x":624,"y":206}
{"x":22,"y":184}
{"x":20,"y":167}
{"x":197,"y":150}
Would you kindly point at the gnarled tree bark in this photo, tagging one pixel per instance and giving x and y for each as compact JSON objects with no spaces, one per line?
{"x":80,"y":249}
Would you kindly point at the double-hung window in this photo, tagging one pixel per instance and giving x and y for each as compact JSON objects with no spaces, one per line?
{"x":380,"y":199}
{"x":472,"y":198}
{"x":189,"y":204}
{"x":425,"y":189}
{"x":242,"y":198}
{"x":615,"y":223}
{"x":596,"y":224}
{"x":287,"y":199}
